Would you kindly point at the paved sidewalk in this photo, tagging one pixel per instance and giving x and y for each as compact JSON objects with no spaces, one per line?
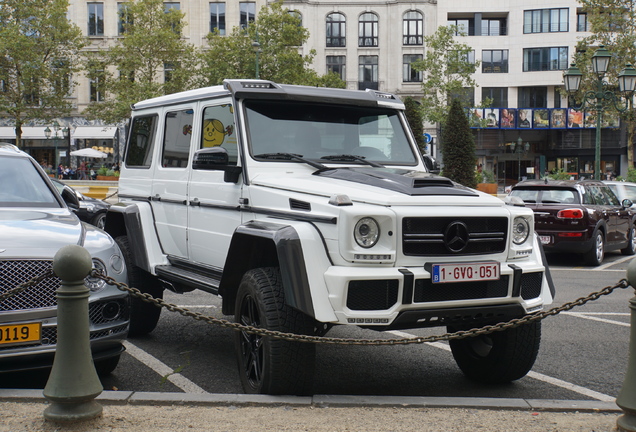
{"x":22,"y":410}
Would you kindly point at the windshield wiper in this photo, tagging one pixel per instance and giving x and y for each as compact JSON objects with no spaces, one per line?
{"x":292,"y":156}
{"x":349,"y":158}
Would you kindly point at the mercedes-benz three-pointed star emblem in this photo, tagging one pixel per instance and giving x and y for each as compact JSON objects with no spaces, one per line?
{"x":456,"y":236}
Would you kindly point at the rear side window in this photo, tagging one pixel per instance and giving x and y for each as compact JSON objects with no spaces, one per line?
{"x":176,"y":138}
{"x":141,"y":141}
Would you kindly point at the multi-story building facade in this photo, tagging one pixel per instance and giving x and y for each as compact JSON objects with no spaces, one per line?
{"x":523,"y":46}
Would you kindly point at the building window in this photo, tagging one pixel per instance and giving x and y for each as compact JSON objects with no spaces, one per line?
{"x":494,"y":61}
{"x":408,"y":73}
{"x":171,"y":5}
{"x":457,"y":61}
{"x":465,"y":26}
{"x":368,"y":72}
{"x":96,"y":87}
{"x":532,"y":97}
{"x":217,"y":18}
{"x":545,"y":59}
{"x":499,"y":95}
{"x":336,"y":26}
{"x":248,"y":13}
{"x":466,"y":95}
{"x":545,"y":20}
{"x":581,"y":22}
{"x":124,"y":17}
{"x":337,"y":65}
{"x":368,"y":30}
{"x":296,"y":14}
{"x":168,"y":71}
{"x":413,"y":28}
{"x":493,"y":27}
{"x":96,"y":19}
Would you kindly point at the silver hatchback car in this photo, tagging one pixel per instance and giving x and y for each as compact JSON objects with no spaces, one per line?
{"x":35,"y":222}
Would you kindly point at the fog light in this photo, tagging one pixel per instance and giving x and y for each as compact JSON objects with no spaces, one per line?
{"x":110,"y":311}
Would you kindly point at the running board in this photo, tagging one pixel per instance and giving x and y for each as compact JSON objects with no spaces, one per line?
{"x":188,"y":278}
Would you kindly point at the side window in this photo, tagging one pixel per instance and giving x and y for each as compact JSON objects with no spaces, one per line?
{"x":141,"y":141}
{"x":611,"y":197}
{"x":599,"y":198}
{"x":219,"y":130}
{"x":630,"y":192}
{"x":176,"y":138}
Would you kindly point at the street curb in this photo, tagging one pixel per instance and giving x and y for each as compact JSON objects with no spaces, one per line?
{"x":218,"y":399}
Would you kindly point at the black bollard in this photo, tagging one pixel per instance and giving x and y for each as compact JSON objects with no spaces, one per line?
{"x":73,"y":384}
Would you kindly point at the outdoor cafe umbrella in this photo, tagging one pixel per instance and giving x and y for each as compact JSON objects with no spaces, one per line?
{"x":89,"y":152}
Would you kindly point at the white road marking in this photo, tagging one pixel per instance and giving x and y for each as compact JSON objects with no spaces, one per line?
{"x":545,"y":378}
{"x":198,"y":306}
{"x":162,"y":369}
{"x":590,"y":316}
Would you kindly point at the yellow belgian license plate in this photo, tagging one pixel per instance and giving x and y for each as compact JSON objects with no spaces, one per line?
{"x":17,"y":334}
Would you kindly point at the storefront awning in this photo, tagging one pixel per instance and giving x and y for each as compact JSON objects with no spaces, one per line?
{"x":35,"y":132}
{"x":94,"y":132}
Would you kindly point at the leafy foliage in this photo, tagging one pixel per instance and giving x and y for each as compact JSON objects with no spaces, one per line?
{"x":458,"y":147}
{"x":414,"y":117}
{"x":612,"y":24}
{"x":447,"y":73}
{"x":39,"y":51}
{"x":278,"y":34}
{"x":130,"y":71}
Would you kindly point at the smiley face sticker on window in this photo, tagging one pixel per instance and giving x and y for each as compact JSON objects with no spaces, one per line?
{"x":214,"y":132}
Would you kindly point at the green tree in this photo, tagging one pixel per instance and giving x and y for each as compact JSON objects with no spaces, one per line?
{"x":151,"y":59}
{"x":414,"y":117}
{"x":447,"y":73}
{"x":279,"y":34}
{"x":39,"y":51}
{"x":459,"y":147}
{"x":612,"y":24}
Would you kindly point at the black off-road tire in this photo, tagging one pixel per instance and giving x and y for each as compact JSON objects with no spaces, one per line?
{"x":631,"y":241}
{"x":143,"y":316}
{"x":595,"y":255}
{"x":498,"y":357}
{"x":267,"y":365}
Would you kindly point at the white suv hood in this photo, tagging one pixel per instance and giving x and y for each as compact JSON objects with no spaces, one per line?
{"x":377,"y":186}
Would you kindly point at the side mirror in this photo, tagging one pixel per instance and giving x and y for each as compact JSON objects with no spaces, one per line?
{"x":627,"y":203}
{"x":216,"y":159}
{"x":70,"y":198}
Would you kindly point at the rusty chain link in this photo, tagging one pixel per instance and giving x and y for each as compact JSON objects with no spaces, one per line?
{"x":18,"y":289}
{"x":349,"y":341}
{"x":329,"y":340}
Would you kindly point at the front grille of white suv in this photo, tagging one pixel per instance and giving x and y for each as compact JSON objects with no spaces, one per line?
{"x":435,"y":236}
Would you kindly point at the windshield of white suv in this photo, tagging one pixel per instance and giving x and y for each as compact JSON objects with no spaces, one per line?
{"x":327,"y":133}
{"x":23,"y":186}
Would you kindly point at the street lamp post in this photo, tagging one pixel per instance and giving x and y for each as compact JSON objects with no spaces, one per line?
{"x":601,"y":98}
{"x":520,"y":149}
{"x":56,"y":129}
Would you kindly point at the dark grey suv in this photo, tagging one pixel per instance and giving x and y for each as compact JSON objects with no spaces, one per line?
{"x":579,"y":216}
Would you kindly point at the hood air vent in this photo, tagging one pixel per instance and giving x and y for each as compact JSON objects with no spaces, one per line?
{"x":299,"y":205}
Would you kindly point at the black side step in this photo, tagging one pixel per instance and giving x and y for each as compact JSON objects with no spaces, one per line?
{"x":189,"y":278}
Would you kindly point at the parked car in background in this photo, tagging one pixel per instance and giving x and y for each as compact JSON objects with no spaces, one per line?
{"x":90,"y":210}
{"x":623,"y":190}
{"x":579,"y":216}
{"x":35,"y":222}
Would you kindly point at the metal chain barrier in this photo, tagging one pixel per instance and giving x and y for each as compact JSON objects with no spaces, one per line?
{"x":349,"y":341}
{"x":18,"y":289}
{"x":329,"y":340}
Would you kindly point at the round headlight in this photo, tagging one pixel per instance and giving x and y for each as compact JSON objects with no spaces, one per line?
{"x":96,"y":284}
{"x":520,"y":230}
{"x":366,"y":232}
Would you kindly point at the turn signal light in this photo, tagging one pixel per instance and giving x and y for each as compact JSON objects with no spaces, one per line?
{"x":570,"y":214}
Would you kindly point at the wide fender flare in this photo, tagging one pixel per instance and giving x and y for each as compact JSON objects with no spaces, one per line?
{"x":130,"y":220}
{"x":297,"y":248}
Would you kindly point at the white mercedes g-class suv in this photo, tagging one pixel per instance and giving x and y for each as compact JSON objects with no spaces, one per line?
{"x":308,"y":207}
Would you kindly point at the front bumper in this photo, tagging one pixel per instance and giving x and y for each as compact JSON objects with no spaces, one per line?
{"x":401,"y":298}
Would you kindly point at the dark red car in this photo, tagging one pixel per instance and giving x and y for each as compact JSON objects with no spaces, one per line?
{"x":579,"y":216}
